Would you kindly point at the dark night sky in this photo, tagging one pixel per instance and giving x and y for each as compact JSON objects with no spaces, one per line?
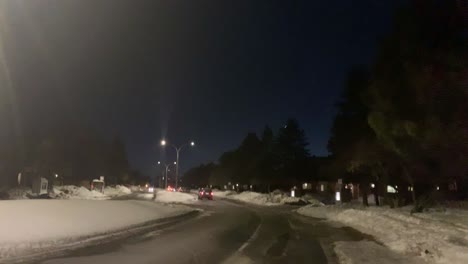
{"x":204,"y":70}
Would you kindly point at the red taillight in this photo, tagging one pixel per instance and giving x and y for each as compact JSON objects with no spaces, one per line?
{"x":201,"y":193}
{"x":211,"y":194}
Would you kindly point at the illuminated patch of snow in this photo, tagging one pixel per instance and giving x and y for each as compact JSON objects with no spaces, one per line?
{"x":436,"y":237}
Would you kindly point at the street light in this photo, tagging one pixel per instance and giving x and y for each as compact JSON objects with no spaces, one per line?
{"x":177,"y":149}
{"x":167,"y":169}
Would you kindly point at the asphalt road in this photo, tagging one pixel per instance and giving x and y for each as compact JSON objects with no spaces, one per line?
{"x":225,"y":232}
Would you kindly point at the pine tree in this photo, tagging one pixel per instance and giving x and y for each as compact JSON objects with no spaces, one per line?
{"x":291,"y":153}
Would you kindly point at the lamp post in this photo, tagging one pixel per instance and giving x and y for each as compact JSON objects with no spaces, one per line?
{"x":177,"y":149}
{"x":167,"y":169}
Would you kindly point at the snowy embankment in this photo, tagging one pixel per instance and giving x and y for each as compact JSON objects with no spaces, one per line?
{"x":75,"y":192}
{"x":29,"y":227}
{"x":264,"y":199}
{"x":72,"y":192}
{"x":163,"y":196}
{"x":435,"y":236}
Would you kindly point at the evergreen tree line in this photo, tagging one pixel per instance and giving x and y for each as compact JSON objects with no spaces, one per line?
{"x":404,"y":121}
{"x":270,"y":161}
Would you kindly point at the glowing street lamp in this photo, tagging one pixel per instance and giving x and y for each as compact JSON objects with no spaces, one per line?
{"x":177,"y":149}
{"x":167,"y":169}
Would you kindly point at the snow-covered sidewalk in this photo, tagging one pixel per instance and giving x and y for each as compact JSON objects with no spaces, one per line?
{"x":35,"y":226}
{"x":435,"y":237}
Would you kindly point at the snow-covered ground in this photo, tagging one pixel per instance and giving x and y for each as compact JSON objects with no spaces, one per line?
{"x":435,"y":237}
{"x":264,"y":199}
{"x":73,"y":192}
{"x":117,"y":191}
{"x":19,"y":193}
{"x":31,"y":226}
{"x":163,"y":196}
{"x":246,"y":197}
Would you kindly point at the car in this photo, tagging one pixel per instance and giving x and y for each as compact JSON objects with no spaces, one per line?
{"x":205,"y":193}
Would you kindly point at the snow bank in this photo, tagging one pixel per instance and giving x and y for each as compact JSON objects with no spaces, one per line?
{"x":264,"y":199}
{"x":19,"y":193}
{"x":75,"y":192}
{"x":29,"y":226}
{"x":370,"y":252}
{"x":221,"y":194}
{"x":438,"y":237}
{"x":116,"y":191}
{"x":82,"y":193}
{"x":164,"y":196}
{"x":253,"y":198}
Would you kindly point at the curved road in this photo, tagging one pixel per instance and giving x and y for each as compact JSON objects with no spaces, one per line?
{"x":225,"y":232}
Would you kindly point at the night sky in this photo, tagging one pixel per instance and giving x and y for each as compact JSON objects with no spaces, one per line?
{"x":208,"y":71}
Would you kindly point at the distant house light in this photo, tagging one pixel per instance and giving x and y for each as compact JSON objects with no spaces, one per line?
{"x":337,"y":196}
{"x":390,"y":189}
{"x":372,"y":185}
{"x":322,"y":187}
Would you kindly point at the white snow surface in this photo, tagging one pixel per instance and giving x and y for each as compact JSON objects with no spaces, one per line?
{"x":436,"y":237}
{"x":163,"y":196}
{"x":370,"y":253}
{"x":19,"y":193}
{"x":263,"y":199}
{"x":75,"y":192}
{"x":36,"y":225}
{"x":118,"y":190}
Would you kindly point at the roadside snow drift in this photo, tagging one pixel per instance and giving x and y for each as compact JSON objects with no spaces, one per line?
{"x":82,"y":193}
{"x":19,"y":193}
{"x":437,"y":237}
{"x":28,"y":226}
{"x":116,"y":191}
{"x":164,"y":196}
{"x":263,"y":199}
{"x":75,"y":192}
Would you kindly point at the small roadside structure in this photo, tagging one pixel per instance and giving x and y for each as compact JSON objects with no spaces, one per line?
{"x":97,"y":185}
{"x":40,"y":186}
